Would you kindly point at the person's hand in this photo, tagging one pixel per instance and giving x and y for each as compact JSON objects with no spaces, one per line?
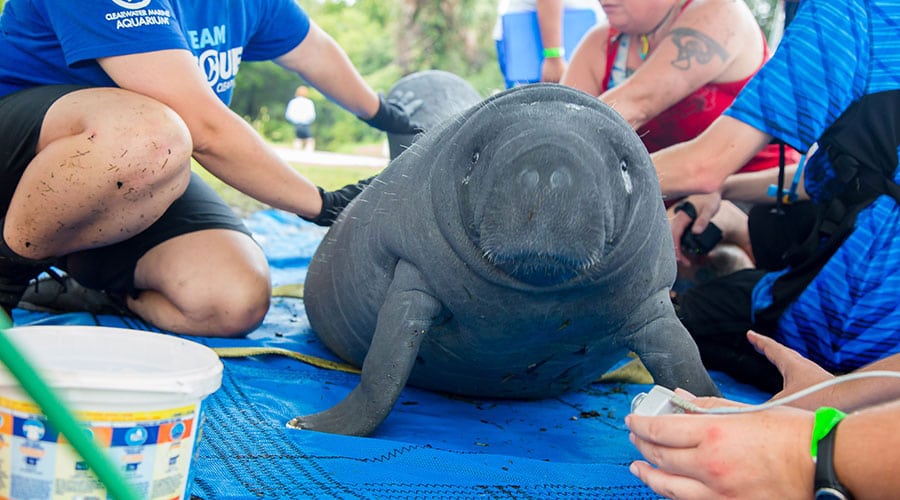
{"x":752,"y":455}
{"x":394,"y":114}
{"x":552,"y":69}
{"x":334,"y":202}
{"x":705,"y":206}
{"x":798,"y":372}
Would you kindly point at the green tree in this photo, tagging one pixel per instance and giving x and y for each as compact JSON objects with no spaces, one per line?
{"x":385,"y":41}
{"x":769,"y":15}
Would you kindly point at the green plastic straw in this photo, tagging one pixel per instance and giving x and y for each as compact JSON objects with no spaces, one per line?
{"x":61,"y":418}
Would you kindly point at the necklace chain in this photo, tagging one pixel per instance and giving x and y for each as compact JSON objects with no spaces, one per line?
{"x":645,"y":38}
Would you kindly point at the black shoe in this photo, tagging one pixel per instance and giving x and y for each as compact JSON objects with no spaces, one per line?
{"x":59,"y":294}
{"x":14,"y":280}
{"x":15,"y":274}
{"x":11,"y":290}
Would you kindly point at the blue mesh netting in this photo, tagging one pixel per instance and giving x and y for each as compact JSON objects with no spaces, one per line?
{"x":431,"y":446}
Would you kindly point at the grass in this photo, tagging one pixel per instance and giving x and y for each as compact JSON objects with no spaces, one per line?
{"x":328,"y":177}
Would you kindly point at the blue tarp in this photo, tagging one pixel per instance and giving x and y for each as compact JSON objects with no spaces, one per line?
{"x":431,"y":446}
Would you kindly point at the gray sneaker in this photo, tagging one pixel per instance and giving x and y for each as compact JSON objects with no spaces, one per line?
{"x":59,"y":294}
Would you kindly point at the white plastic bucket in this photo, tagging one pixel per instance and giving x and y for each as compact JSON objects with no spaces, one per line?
{"x":139,"y":393}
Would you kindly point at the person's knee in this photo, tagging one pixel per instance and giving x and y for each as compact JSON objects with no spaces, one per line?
{"x":233,"y":312}
{"x":163,"y":142}
{"x":148,"y":145}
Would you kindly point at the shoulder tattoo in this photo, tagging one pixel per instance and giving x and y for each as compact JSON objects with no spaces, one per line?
{"x":694,"y":45}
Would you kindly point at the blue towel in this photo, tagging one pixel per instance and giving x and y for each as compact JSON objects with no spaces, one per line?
{"x":431,"y":446}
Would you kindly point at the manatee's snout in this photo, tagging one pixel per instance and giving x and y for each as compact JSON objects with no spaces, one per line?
{"x":539,"y":225}
{"x":545,"y":178}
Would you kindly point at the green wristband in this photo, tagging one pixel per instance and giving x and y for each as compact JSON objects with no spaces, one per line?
{"x":553,"y":52}
{"x":826,"y":419}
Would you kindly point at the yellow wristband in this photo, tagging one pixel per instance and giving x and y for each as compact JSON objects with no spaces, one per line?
{"x":552,"y":52}
{"x":826,"y":419}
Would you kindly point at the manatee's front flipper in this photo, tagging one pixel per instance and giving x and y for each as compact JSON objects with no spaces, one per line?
{"x":404,"y":318}
{"x":666,"y":348}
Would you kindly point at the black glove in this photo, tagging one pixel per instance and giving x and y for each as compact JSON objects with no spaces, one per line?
{"x":394,"y":114}
{"x":334,"y":202}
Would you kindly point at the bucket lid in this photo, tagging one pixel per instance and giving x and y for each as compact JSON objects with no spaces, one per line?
{"x":116,"y":359}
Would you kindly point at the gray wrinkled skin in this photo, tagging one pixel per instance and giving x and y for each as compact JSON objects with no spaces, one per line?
{"x":443,"y":94}
{"x":517,"y":251}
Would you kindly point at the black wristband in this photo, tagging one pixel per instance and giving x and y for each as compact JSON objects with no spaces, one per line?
{"x":826,"y":484}
{"x":688,"y":208}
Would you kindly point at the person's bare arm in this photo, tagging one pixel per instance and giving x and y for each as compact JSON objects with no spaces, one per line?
{"x":866,"y":452}
{"x":587,"y":66}
{"x":325,"y":66}
{"x":711,"y":41}
{"x":702,"y":164}
{"x":550,"y":19}
{"x":223,"y":141}
{"x":753,"y":187}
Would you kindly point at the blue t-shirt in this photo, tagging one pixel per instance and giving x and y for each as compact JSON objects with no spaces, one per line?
{"x":833,"y":53}
{"x":46,"y":42}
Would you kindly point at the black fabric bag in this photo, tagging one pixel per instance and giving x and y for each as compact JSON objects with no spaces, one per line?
{"x":778,"y":231}
{"x":862,"y":146}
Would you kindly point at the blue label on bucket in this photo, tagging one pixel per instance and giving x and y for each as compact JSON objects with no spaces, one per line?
{"x":154,"y":455}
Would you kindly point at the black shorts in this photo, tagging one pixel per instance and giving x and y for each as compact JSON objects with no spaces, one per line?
{"x":21,"y":116}
{"x":111,"y":267}
{"x":718,"y":314}
{"x":302,"y":131}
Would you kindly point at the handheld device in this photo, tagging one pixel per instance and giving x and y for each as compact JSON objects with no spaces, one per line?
{"x":656,"y":402}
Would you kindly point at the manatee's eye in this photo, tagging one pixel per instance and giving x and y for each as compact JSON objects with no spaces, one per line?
{"x":626,"y":177}
{"x":475,"y":155}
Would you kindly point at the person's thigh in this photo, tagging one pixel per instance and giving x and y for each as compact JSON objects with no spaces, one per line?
{"x":21,"y":117}
{"x":113,"y":267}
{"x":217,"y":280}
{"x":104,"y":165}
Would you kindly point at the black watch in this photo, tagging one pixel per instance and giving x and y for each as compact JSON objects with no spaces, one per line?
{"x":826,"y":485}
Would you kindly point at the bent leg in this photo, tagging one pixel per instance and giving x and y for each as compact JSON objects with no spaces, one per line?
{"x":210,"y":283}
{"x":108,"y":163}
{"x":195,"y":271}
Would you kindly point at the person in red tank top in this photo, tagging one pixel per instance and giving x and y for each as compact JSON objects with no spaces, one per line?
{"x":670,"y":68}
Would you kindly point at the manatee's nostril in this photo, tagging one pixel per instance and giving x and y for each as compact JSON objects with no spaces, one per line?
{"x":560,"y":178}
{"x":530,"y":178}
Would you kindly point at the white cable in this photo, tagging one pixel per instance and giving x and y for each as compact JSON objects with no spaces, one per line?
{"x":689,"y":406}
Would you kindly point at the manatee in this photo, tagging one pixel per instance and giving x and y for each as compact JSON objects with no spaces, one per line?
{"x":443,"y":95}
{"x":517,"y":251}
